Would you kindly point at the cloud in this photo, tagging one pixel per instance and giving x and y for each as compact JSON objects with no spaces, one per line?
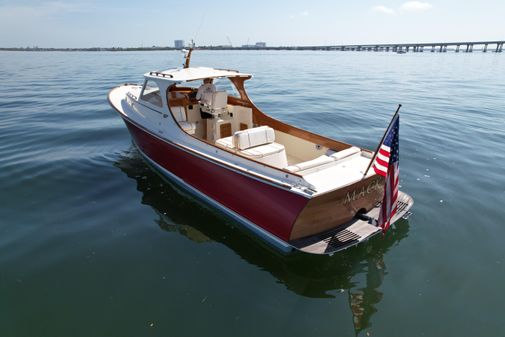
{"x":415,"y":6}
{"x":383,"y":9}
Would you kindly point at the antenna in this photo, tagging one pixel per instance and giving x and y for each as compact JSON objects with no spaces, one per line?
{"x":187,"y":54}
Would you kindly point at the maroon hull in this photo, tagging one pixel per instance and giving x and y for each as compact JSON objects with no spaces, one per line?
{"x":274,"y":209}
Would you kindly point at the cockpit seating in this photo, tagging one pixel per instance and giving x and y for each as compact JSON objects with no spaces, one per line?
{"x":218,"y":103}
{"x":331,"y":158}
{"x":258,"y":144}
{"x":179,"y":113}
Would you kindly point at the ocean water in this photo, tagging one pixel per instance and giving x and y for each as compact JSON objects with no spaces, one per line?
{"x":94,"y":243}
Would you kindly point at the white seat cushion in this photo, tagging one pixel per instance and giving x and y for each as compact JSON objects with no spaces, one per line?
{"x":227,"y":143}
{"x":217,"y":103}
{"x":321,"y":160}
{"x":219,"y":100}
{"x":273,"y":154}
{"x":253,"y":137}
{"x":189,"y":127}
{"x":324,"y":160}
{"x":180,"y":116}
{"x":345,"y":153}
{"x":179,"y":113}
{"x":263,"y":150}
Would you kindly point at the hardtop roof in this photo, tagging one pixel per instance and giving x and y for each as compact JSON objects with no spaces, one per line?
{"x":194,"y":73}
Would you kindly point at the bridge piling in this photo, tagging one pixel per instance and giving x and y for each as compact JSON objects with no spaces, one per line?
{"x":440,"y":47}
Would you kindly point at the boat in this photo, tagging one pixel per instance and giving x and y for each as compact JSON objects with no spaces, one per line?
{"x":296,"y":190}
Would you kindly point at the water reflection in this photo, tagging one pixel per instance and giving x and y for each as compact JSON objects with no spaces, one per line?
{"x":359,"y":271}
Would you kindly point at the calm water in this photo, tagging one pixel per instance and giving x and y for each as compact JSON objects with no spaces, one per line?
{"x":94,"y":243}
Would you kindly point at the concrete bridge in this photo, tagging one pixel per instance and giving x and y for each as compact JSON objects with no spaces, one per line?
{"x":441,"y":47}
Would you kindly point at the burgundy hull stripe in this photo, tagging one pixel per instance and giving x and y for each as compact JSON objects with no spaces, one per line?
{"x":273,"y":209}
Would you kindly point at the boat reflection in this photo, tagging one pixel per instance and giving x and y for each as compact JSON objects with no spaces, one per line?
{"x":359,"y":271}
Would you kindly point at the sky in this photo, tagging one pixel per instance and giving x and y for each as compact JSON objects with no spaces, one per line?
{"x":114,"y":23}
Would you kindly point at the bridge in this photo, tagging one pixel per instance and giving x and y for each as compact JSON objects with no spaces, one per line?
{"x":441,"y":47}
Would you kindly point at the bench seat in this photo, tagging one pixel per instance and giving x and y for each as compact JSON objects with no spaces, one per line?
{"x":257,"y":144}
{"x":324,"y":160}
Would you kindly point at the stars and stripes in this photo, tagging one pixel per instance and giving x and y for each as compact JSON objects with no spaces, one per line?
{"x":386,"y":164}
{"x":381,"y":162}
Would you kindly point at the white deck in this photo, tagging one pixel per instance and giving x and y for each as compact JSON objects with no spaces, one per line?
{"x":340,"y":173}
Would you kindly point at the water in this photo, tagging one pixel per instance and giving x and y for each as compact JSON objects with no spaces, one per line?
{"x":94,"y":243}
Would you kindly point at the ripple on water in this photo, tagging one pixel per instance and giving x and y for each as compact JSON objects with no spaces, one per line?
{"x":84,"y":220}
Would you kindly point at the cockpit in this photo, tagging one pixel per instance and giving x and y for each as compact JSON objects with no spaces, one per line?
{"x":211,"y":116}
{"x":227,"y":119}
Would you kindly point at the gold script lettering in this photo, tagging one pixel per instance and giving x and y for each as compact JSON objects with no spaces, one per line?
{"x":361,"y":192}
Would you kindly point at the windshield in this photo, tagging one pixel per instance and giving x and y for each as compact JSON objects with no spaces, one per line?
{"x":222,"y":84}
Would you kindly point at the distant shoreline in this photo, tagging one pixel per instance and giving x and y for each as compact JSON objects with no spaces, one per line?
{"x":441,"y":47}
{"x":115,"y":49}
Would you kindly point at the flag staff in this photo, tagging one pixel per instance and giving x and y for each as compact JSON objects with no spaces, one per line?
{"x":382,"y":140}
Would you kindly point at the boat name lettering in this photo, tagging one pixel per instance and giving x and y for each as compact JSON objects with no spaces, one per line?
{"x":361,"y":192}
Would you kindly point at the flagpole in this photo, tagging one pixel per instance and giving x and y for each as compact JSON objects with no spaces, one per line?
{"x":382,"y":140}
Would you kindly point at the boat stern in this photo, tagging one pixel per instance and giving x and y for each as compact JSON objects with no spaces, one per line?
{"x":328,"y":210}
{"x":359,"y":229}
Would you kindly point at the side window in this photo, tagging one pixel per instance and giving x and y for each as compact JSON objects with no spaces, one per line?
{"x":151,"y":93}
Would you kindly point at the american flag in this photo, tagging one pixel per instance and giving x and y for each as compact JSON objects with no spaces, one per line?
{"x":386,"y":165}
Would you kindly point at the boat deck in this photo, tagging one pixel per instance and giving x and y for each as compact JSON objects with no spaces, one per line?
{"x":338,"y":174}
{"x":351,"y":233}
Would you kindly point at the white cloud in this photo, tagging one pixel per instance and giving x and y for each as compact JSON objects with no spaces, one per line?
{"x":416,"y":6}
{"x":383,"y":9}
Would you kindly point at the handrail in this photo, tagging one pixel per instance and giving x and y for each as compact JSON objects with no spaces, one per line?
{"x":156,"y":73}
{"x":230,"y":70}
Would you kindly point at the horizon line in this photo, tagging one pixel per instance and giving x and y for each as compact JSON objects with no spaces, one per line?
{"x":253,"y":46}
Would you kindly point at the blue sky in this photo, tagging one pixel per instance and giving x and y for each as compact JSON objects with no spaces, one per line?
{"x":90,"y":23}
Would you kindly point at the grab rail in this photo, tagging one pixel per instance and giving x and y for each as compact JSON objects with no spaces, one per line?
{"x":156,"y":73}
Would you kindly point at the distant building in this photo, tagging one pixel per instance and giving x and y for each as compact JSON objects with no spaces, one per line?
{"x":179,"y":44}
{"x":261,"y":44}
